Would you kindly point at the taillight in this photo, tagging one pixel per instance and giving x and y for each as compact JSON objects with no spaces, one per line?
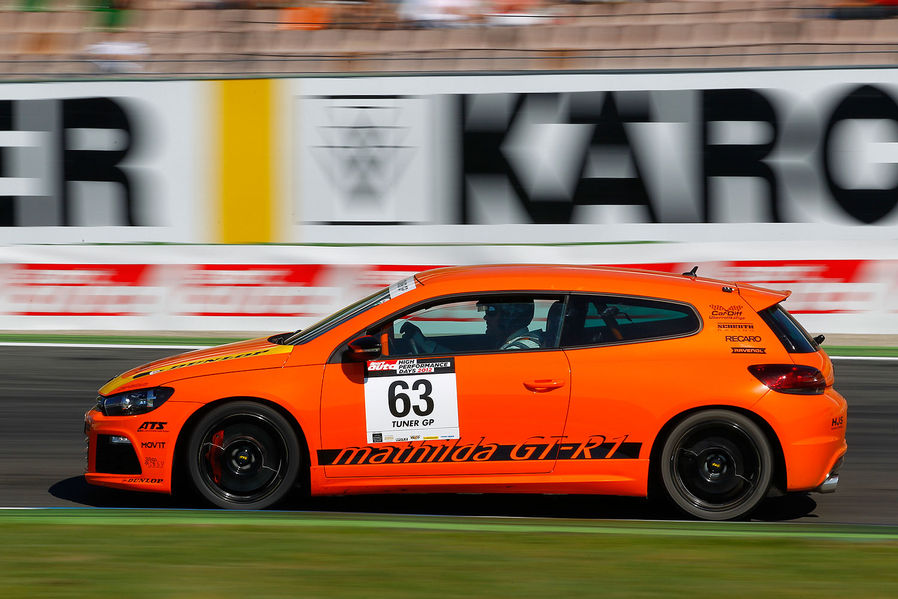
{"x":789,"y":378}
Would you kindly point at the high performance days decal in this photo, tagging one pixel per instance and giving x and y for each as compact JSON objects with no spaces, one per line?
{"x":595,"y":447}
{"x":411,"y":400}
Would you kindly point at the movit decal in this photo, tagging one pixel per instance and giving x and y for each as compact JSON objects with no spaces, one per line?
{"x":595,"y":447}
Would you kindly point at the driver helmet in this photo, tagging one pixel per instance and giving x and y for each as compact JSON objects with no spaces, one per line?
{"x":513,"y":314}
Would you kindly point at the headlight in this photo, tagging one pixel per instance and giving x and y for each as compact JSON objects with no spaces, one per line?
{"x":135,"y":402}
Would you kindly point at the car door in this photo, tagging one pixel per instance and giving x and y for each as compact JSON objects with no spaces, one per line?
{"x":460,"y":402}
{"x":628,"y":356}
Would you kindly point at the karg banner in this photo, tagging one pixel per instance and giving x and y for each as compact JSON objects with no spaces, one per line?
{"x":544,"y":158}
{"x":761,"y":155}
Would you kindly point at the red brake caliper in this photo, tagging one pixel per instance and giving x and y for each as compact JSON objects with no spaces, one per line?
{"x":214,"y":456}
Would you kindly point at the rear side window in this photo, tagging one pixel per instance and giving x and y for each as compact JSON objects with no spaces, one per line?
{"x":791,"y":334}
{"x":603,"y":319}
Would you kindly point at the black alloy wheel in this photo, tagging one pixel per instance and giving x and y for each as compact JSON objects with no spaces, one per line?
{"x":243,"y":455}
{"x":717,"y":465}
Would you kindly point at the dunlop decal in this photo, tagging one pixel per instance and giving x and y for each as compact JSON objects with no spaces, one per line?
{"x":596,"y":447}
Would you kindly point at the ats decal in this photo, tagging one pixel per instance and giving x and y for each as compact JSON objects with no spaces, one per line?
{"x":158,"y":427}
{"x":596,"y":447}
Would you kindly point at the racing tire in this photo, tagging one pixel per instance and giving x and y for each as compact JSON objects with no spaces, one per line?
{"x":716,"y":465}
{"x":243,"y":455}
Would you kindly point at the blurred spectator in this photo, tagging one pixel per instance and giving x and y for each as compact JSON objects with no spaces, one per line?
{"x":32,"y":5}
{"x":865,"y":9}
{"x":118,"y":55}
{"x":518,"y":12}
{"x":316,"y":16}
{"x":441,"y":13}
{"x":112,"y":14}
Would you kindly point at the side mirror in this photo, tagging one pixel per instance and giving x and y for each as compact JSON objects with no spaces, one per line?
{"x":364,"y":348}
{"x":819,"y":339}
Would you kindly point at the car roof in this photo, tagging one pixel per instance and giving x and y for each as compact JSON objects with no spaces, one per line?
{"x":560,"y":272}
{"x":567,"y":277}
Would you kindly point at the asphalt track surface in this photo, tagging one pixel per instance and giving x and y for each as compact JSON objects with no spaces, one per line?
{"x":44,"y":392}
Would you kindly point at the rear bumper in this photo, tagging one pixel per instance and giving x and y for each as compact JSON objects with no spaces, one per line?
{"x":811,"y":432}
{"x":832,"y":479}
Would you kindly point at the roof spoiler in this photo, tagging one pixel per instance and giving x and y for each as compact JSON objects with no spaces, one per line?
{"x":760,"y":298}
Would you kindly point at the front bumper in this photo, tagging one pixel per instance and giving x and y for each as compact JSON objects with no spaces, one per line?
{"x":130,"y":452}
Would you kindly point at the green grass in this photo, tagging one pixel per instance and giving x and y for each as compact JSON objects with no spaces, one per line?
{"x":872,"y":351}
{"x":105,"y":553}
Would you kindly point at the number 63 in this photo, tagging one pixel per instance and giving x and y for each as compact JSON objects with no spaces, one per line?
{"x":400,"y":404}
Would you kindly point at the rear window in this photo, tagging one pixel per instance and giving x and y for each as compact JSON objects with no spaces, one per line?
{"x":791,"y":334}
{"x":600,"y":320}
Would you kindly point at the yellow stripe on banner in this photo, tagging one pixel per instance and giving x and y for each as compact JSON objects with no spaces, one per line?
{"x":246,"y":175}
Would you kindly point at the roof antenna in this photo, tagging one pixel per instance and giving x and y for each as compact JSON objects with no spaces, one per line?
{"x":691,"y":273}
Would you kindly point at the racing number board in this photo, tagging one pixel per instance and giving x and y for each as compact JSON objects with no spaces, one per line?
{"x":411,"y":400}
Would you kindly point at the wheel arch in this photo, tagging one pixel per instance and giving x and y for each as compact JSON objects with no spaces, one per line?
{"x":779,"y":480}
{"x":180,"y":478}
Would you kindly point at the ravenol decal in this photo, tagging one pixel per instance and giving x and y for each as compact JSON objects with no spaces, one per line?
{"x":596,"y":447}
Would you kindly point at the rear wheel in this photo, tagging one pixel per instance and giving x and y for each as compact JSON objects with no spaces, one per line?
{"x":716,"y":465}
{"x":243,"y":455}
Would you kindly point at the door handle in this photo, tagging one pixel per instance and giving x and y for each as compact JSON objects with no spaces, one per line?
{"x":543,"y":384}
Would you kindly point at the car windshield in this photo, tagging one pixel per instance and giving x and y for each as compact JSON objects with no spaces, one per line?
{"x":338,"y":318}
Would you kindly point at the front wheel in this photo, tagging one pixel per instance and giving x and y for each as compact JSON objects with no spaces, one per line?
{"x":716,"y":465}
{"x":243,"y":455}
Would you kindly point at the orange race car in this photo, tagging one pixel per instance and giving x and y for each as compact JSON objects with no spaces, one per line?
{"x":507,"y":378}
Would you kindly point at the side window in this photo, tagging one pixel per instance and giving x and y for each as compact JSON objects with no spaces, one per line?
{"x":484,"y":323}
{"x":599,"y":320}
